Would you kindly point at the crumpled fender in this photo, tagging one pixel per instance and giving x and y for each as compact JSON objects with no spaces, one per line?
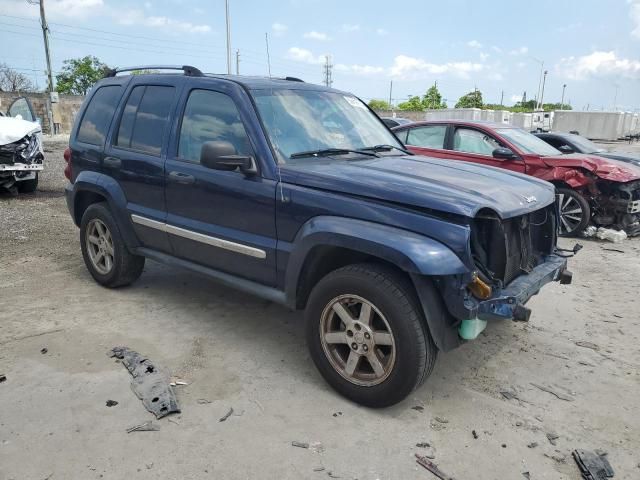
{"x":574,"y":169}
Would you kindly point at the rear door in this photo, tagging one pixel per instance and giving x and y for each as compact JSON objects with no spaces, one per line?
{"x":477,"y":146}
{"x":136,"y":154}
{"x":221,"y":219}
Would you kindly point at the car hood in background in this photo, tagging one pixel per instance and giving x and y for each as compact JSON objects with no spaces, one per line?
{"x":605,"y":168}
{"x":454,"y":187}
{"x":621,"y":157}
{"x":14,"y":129}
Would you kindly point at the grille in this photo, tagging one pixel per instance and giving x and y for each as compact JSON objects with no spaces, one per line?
{"x":505,"y":249}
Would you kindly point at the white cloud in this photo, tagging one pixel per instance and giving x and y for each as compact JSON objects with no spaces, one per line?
{"x":303,"y":55}
{"x":634,"y":13}
{"x":359,"y":69}
{"x":496,"y":49}
{"x":474,"y":44}
{"x":313,"y":35}
{"x":279,"y":29}
{"x":516,"y":97}
{"x":137,"y":17}
{"x":382,"y":31}
{"x":410,"y":67}
{"x":347,"y":27}
{"x":484,"y":56}
{"x":599,"y":64}
{"x":519,"y":51}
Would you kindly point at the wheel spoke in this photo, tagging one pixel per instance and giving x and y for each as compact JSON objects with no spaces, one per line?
{"x":567,"y":212}
{"x":93,"y":239}
{"x":382,"y":338}
{"x":572,"y":217}
{"x":342,"y":312}
{"x":98,"y":258}
{"x":567,"y":203}
{"x":567,"y":228}
{"x":99,"y":229}
{"x":352,"y":363}
{"x":108,"y":261}
{"x":366,"y":313}
{"x":377,"y":367}
{"x":335,"y":337}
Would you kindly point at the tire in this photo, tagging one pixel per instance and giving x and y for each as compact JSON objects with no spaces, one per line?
{"x":123,"y":267}
{"x":28,"y":186}
{"x":575,"y":212}
{"x":406,"y":353}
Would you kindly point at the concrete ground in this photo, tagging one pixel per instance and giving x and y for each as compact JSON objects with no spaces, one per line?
{"x":237,"y":351}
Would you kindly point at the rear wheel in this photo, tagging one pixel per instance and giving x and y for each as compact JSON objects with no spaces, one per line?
{"x":28,"y":186}
{"x":575,"y":212}
{"x":367,"y":335}
{"x":105,"y":253}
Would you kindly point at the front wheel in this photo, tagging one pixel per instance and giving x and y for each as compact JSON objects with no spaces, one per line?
{"x":575,"y":212}
{"x":367,"y":335}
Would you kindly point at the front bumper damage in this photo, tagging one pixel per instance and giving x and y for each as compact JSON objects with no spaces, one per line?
{"x":20,"y":160}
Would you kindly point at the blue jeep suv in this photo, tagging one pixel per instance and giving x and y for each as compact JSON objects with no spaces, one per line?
{"x":301,"y":195}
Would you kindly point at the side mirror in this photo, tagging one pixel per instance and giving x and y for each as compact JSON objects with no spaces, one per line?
{"x":502,"y":153}
{"x":220,"y":155}
{"x":565,"y":149}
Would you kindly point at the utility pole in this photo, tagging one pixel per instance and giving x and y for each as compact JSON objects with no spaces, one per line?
{"x":541,"y":62}
{"x":542,"y":94}
{"x":615,"y":98}
{"x":390,"y":93}
{"x":226,"y":5}
{"x":50,"y":87}
{"x":562,"y":101}
{"x":501,"y":97}
{"x":237,"y":62}
{"x":266,"y":39}
{"x":328,"y":80}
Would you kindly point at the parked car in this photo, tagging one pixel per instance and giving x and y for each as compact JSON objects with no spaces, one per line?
{"x":571,"y":143}
{"x":589,"y":188}
{"x":395,"y":121}
{"x":21,"y":154}
{"x":299,"y":194}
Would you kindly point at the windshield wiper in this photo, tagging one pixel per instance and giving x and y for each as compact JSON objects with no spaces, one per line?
{"x":385,"y":148}
{"x":331,"y":151}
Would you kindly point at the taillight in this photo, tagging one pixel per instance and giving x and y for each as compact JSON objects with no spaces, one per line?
{"x":67,"y":158}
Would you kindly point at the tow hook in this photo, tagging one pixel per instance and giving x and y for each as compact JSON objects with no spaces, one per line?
{"x":566,"y":277}
{"x":521,"y":314}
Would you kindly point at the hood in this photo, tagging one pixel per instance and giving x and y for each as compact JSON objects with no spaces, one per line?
{"x":622,"y":157}
{"x":443,"y":185}
{"x":605,"y":168}
{"x":14,"y":129}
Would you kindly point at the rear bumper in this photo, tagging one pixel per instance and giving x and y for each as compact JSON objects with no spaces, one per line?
{"x":509,"y":302}
{"x":69,"y":194}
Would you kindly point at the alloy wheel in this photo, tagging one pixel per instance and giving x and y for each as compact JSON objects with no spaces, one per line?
{"x":357,"y":340}
{"x":100,"y":246}
{"x":570,"y":213}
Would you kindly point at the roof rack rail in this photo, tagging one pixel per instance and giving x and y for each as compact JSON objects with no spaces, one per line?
{"x":294,"y":79}
{"x":187,"y":69}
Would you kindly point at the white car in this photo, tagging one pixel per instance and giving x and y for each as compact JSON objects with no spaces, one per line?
{"x":21,"y":154}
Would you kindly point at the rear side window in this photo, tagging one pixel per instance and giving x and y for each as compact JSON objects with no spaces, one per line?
{"x":97,"y":117}
{"x":144,"y":118}
{"x":210,"y":116}
{"x":431,"y":136}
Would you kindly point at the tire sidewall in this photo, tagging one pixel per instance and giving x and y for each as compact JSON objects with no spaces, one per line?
{"x":101,"y":211}
{"x":407,"y":368}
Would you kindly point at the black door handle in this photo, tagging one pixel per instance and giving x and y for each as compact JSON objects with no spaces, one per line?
{"x":184,"y":178}
{"x":112,"y":162}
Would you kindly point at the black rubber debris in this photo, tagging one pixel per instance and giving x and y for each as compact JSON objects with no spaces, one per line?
{"x":3,"y":378}
{"x":593,"y":465}
{"x":111,"y":403}
{"x":150,"y":383}
{"x":44,"y":350}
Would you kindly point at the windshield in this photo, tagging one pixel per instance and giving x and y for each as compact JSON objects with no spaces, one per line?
{"x":584,"y":145}
{"x":528,"y":142}
{"x":308,"y":120}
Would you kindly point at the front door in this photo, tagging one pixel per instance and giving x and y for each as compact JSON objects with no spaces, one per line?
{"x":221,"y":219}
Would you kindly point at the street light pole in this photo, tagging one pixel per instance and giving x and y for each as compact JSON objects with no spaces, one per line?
{"x":542,"y":94}
{"x":562,"y":101}
{"x":226,"y":5}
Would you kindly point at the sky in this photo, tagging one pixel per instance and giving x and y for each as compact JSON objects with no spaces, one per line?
{"x":499,"y":47}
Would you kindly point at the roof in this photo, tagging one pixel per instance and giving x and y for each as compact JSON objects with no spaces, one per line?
{"x":481,"y":123}
{"x":258,"y":83}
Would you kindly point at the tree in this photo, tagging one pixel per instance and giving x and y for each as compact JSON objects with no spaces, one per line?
{"x":433,"y":99}
{"x":79,"y":74}
{"x":380,"y":105}
{"x":13,"y":81}
{"x":470,"y":100}
{"x":414,"y":103}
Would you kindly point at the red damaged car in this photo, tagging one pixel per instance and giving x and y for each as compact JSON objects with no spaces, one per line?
{"x":589,"y":188}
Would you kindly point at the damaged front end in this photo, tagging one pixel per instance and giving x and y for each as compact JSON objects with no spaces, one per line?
{"x":514,"y":259}
{"x":617,"y":204}
{"x":20,"y":160}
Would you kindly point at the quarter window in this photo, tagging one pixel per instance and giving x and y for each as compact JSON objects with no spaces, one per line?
{"x":431,"y":136}
{"x":210,"y":116}
{"x":97,"y":117}
{"x":145,"y":118}
{"x":474,"y":141}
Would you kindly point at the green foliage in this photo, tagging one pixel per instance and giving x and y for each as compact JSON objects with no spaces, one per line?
{"x":470,"y":100}
{"x":414,"y":104}
{"x":379,"y":105}
{"x":433,"y":99}
{"x":79,"y":74}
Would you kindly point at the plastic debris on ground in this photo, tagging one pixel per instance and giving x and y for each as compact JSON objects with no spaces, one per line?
{"x":589,"y":232}
{"x":144,"y":427}
{"x":615,"y":236}
{"x":593,"y":465}
{"x":432,"y":467}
